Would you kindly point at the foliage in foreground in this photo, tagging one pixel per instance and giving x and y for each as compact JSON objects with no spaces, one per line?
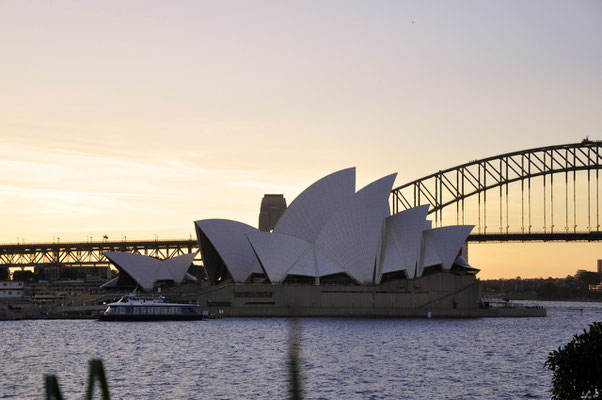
{"x":53,"y":392}
{"x":577,"y":367}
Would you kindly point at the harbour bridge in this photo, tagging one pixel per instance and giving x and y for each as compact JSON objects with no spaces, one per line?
{"x":541,"y":194}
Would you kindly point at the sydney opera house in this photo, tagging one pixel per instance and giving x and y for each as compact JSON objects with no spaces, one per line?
{"x":338,"y":252}
{"x":332,"y":252}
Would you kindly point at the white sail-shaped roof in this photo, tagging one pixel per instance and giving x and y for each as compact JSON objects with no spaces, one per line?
{"x":352,"y":236}
{"x":141,"y":268}
{"x":178,"y":266}
{"x":189,"y":277}
{"x":446,"y":243}
{"x":391,"y":259}
{"x":229,"y":238}
{"x":309,"y":212}
{"x":277,"y":253}
{"x":428,"y":257}
{"x":147,"y":270}
{"x":402,"y":241}
{"x":461,"y":261}
{"x":327,"y":266}
{"x":306,"y":266}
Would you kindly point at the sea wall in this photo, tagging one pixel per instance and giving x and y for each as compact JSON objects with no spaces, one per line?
{"x":442,"y":294}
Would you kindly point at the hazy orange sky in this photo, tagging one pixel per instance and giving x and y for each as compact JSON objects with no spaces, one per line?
{"x":136,"y":118}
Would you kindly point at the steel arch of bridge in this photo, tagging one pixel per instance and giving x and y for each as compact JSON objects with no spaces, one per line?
{"x":475,"y":178}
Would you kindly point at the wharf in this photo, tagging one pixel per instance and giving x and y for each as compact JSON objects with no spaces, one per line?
{"x":438,"y":295}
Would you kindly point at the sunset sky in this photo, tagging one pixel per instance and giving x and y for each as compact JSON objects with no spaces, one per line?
{"x":136,"y":118}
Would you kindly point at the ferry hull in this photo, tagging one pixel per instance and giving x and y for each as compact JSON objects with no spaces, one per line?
{"x":146,"y":318}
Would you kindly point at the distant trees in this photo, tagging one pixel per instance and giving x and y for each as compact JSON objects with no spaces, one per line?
{"x":577,"y":367}
{"x":548,"y":290}
{"x":544,"y":289}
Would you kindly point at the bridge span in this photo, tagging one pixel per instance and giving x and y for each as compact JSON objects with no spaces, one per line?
{"x":541,"y":190}
{"x":517,"y":190}
{"x":90,"y":254}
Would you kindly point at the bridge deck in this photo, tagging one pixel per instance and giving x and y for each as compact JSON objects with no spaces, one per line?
{"x":91,"y":253}
{"x":536,"y":237}
{"x":88,"y":253}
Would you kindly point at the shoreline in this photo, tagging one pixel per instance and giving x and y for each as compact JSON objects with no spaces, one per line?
{"x":526,"y":298}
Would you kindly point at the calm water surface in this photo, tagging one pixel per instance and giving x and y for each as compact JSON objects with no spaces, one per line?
{"x":246,"y":358}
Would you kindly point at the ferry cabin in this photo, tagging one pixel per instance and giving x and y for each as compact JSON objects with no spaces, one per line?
{"x":150,"y":310}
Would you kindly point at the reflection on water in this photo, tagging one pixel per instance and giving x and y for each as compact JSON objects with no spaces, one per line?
{"x":341,"y":358}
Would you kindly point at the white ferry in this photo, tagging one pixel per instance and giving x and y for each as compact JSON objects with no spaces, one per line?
{"x":134,"y":308}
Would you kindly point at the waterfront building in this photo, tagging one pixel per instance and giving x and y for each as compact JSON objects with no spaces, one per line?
{"x":43,"y":292}
{"x":335,"y":251}
{"x":86,"y":273}
{"x":11,"y":290}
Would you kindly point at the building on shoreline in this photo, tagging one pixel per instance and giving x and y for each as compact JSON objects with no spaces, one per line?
{"x":11,"y":290}
{"x":338,"y":252}
{"x":332,"y":252}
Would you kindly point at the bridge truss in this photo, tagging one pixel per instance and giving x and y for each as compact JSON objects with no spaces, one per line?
{"x":89,"y":253}
{"x":546,"y":181}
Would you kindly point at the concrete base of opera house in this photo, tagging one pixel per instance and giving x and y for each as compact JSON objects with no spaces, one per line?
{"x":439,"y":295}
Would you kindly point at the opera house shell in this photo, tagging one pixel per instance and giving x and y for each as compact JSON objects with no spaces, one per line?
{"x":136,"y":270}
{"x":332,"y":234}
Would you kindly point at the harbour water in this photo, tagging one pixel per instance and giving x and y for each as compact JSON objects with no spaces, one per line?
{"x":486,"y":358}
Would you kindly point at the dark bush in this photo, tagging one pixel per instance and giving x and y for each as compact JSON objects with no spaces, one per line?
{"x":577,"y":367}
